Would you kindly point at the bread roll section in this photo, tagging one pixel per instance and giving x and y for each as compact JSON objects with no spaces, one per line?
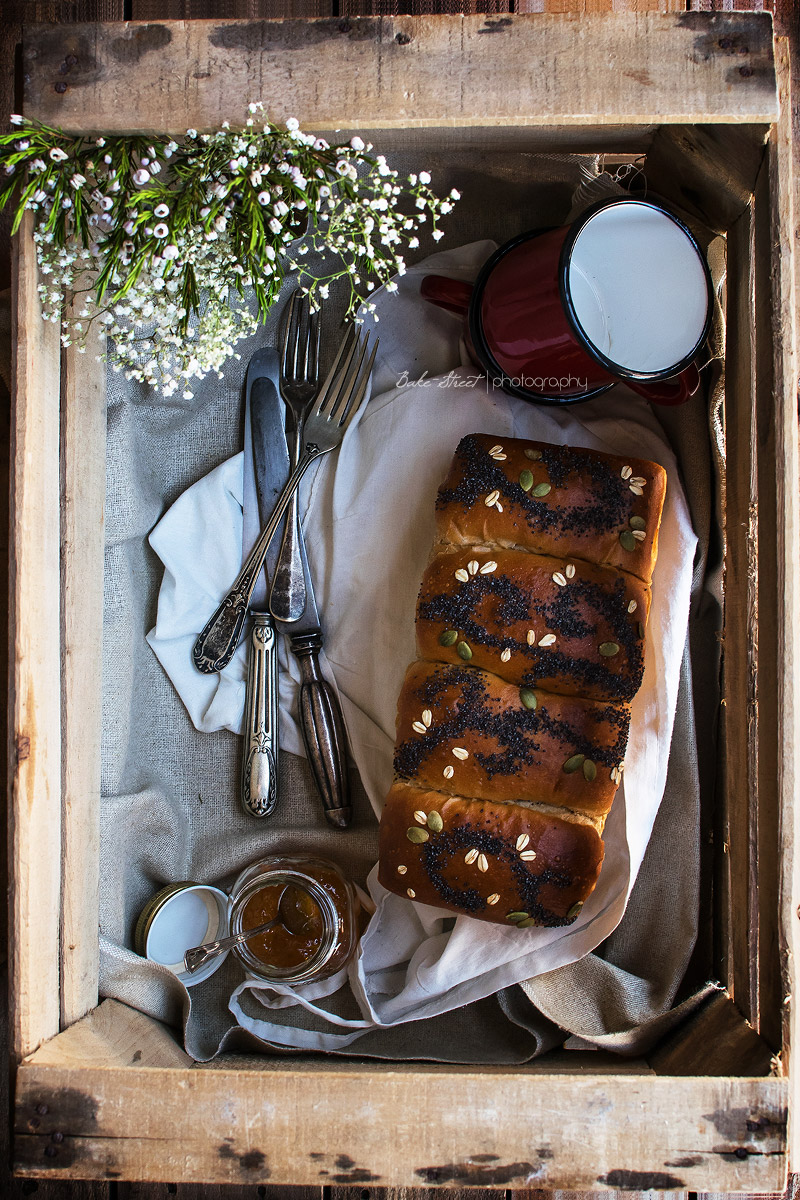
{"x":512,"y":725}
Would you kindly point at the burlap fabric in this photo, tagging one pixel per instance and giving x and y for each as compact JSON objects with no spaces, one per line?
{"x":169,"y":807}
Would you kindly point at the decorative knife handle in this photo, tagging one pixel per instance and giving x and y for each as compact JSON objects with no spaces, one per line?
{"x":260,"y":761}
{"x":287,"y":600}
{"x":323,"y":732}
{"x":217,"y":644}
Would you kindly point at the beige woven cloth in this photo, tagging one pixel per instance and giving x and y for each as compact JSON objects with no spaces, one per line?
{"x":169,"y":810}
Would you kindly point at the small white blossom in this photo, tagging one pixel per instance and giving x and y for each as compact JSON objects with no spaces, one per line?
{"x":161,"y":210}
{"x":424,"y":177}
{"x":161,"y":231}
{"x":16,"y":119}
{"x":57,"y":154}
{"x":357,"y":143}
{"x":141,"y":177}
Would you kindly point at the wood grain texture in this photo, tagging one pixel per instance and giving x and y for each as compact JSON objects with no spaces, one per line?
{"x":113,"y":1035}
{"x":400,"y":1126}
{"x":716,"y":1041}
{"x":83,"y":437}
{"x":396,"y":73}
{"x":35,"y":669}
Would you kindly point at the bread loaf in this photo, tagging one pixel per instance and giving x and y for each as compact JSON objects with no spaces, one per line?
{"x":513,"y":724}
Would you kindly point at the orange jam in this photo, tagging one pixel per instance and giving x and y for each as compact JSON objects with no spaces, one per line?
{"x":282,"y":947}
{"x":314,"y":910}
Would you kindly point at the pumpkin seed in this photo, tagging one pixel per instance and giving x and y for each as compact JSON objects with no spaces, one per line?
{"x":435,"y":822}
{"x":637,"y":523}
{"x":627,"y":540}
{"x":576,"y":908}
{"x":533,"y":455}
{"x":526,"y":480}
{"x":517,"y":916}
{"x":463,"y":651}
{"x":542,"y":489}
{"x":608,"y":649}
{"x":526,"y":924}
{"x":573,"y":764}
{"x":589,"y":774}
{"x":641,"y":629}
{"x":448,"y":638}
{"x":528,"y":697}
{"x":417,"y":835}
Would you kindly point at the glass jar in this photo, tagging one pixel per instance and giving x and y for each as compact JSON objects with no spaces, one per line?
{"x":317,"y":902}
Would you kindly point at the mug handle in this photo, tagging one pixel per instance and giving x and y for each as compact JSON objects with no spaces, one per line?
{"x":451,"y":294}
{"x":669,"y":392}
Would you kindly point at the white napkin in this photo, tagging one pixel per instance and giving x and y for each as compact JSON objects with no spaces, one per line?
{"x":369,"y":529}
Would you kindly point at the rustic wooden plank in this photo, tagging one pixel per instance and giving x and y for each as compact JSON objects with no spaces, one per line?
{"x":736,"y":901}
{"x":786,"y":855}
{"x":83,"y":435}
{"x":215,"y":1191}
{"x":716,"y":1041}
{"x":600,"y":6}
{"x":403,"y":1125}
{"x":35,"y":674}
{"x":396,"y":72}
{"x":194,"y":10}
{"x":113,"y":1035}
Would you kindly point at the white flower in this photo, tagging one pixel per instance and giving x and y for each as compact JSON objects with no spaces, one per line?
{"x":413,"y":243}
{"x":455,"y":194}
{"x":343,"y":167}
{"x":292,"y":124}
{"x":141,"y":177}
{"x":357,"y":143}
{"x":192,"y":133}
{"x":391,"y":286}
{"x":275,"y":225}
{"x":38,"y":164}
{"x":446,"y":207}
{"x":10,"y":168}
{"x":220,"y":224}
{"x":161,"y":210}
{"x":57,"y":154}
{"x":169,"y":252}
{"x":106,"y":204}
{"x":437,"y":235}
{"x":155,"y":167}
{"x":161,"y":230}
{"x":39,"y":196}
{"x":66,"y":202}
{"x":77,"y":181}
{"x":256,"y":178}
{"x":280,"y":209}
{"x":129,"y":226}
{"x":264,"y":198}
{"x":23,"y":145}
{"x":424,"y":177}
{"x":16,"y":119}
{"x":321,"y":144}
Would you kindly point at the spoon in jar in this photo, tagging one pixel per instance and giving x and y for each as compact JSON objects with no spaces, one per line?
{"x":292,"y":914}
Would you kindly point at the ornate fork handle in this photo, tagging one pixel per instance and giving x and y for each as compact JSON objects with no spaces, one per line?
{"x":215,"y":646}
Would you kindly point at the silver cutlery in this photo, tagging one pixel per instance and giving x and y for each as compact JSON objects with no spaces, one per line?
{"x":324,"y":427}
{"x":321,"y":721}
{"x":259,"y":773}
{"x":298,"y":387}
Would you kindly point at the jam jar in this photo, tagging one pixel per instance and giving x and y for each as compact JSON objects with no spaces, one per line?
{"x":315,"y":910}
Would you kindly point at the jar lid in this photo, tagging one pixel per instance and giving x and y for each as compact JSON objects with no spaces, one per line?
{"x":175,"y":919}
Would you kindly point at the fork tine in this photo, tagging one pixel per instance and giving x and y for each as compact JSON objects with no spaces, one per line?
{"x":313,"y":343}
{"x":300,"y":311}
{"x":331,"y":387}
{"x":287,"y":339}
{"x":349,"y":381}
{"x":357,"y":395}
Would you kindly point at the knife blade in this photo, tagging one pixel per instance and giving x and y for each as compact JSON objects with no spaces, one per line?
{"x":259,"y":777}
{"x":321,"y":721}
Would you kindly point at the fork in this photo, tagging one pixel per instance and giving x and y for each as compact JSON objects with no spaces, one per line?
{"x":298,"y":387}
{"x":325,"y":423}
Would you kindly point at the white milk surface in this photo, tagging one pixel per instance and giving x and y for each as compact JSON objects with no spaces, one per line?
{"x":638,"y":287}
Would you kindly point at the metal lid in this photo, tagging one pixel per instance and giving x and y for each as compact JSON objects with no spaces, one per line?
{"x":178,"y":917}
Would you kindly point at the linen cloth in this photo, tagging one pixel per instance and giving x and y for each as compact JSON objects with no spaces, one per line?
{"x":369,"y":527}
{"x":168,"y":792}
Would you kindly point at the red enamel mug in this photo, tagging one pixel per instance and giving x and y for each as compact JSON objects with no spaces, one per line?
{"x":559,"y":316}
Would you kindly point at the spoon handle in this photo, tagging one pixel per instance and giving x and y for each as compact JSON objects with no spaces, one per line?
{"x":195,"y":958}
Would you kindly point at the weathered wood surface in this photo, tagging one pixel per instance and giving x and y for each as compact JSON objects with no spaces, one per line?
{"x":396,"y":72}
{"x":35,"y":675}
{"x":83,"y":434}
{"x":398,"y":1126}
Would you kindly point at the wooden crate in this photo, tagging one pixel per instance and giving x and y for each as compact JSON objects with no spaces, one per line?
{"x":103,"y":1092}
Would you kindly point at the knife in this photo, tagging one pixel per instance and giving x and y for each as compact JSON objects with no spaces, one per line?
{"x":321,"y":721}
{"x":259,"y":778}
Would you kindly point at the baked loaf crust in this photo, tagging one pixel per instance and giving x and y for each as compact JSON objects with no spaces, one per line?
{"x":570,"y":503}
{"x":512,"y":727}
{"x":499,"y":862}
{"x":558,"y":623}
{"x":520,"y":740}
